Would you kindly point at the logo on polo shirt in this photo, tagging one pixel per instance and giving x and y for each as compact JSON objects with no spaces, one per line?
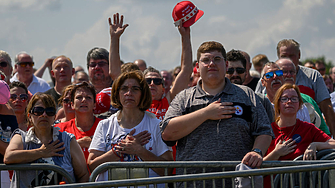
{"x":239,"y":110}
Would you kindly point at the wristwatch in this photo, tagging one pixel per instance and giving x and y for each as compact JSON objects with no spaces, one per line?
{"x":257,"y":151}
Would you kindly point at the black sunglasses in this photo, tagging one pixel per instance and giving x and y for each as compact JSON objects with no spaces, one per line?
{"x":24,"y":64}
{"x":157,"y":81}
{"x":38,"y":111}
{"x":3,"y":64}
{"x":23,"y":97}
{"x":239,"y":70}
{"x":66,"y":101}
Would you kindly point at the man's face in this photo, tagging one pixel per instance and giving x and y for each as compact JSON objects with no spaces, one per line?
{"x":157,"y":91}
{"x":274,"y":83}
{"x":332,"y":74}
{"x":309,"y":65}
{"x":290,"y":52}
{"x":236,"y":73}
{"x":23,"y":67}
{"x":289,"y":71}
{"x":212,"y":67}
{"x":258,"y":69}
{"x":321,"y":68}
{"x":5,"y":67}
{"x":167,"y":77}
{"x":62,"y":70}
{"x":80,"y":77}
{"x":98,"y":70}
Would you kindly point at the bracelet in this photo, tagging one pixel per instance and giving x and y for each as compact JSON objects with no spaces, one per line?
{"x":117,"y":153}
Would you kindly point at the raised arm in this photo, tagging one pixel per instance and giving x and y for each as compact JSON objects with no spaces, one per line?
{"x":47,"y":64}
{"x":115,"y":29}
{"x":183,"y":77}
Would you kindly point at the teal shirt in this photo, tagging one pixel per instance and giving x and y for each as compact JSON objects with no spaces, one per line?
{"x":323,"y":125}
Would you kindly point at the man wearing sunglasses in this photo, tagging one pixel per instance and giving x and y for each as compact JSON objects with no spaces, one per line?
{"x":236,"y":71}
{"x":24,"y":65}
{"x":6,"y":65}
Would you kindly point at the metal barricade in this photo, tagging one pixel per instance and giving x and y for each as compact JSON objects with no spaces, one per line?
{"x":38,"y":167}
{"x":277,"y":167}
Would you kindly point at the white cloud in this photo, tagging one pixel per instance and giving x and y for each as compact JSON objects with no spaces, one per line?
{"x":10,"y":5}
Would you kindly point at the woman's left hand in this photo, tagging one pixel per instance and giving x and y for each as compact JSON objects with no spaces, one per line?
{"x":310,"y":152}
{"x":129,"y":145}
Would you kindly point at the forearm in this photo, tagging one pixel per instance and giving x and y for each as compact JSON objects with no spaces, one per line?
{"x":263,"y":142}
{"x":114,"y":58}
{"x":181,"y":126}
{"x":272,"y":156}
{"x":330,"y":144}
{"x":15,"y":156}
{"x":106,"y":157}
{"x":3,"y":147}
{"x":39,"y":73}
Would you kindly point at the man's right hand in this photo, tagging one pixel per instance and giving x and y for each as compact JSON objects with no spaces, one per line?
{"x":219,"y":110}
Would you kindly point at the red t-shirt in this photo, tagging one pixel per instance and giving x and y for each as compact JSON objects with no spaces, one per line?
{"x":304,"y":133}
{"x":70,"y":127}
{"x":159,"y":108}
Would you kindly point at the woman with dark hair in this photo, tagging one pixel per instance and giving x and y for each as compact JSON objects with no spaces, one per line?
{"x":66,"y":113}
{"x":43,"y":143}
{"x":121,"y":137}
{"x":19,"y":101}
{"x":294,"y":137}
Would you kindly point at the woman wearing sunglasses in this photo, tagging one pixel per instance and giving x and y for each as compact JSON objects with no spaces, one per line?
{"x":294,"y":137}
{"x":44,"y":143}
{"x":132,"y":134}
{"x":19,"y":101}
{"x":66,"y":113}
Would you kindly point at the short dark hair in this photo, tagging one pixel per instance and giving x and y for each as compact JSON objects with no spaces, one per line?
{"x":211,"y":46}
{"x":146,"y":99}
{"x":18,"y":84}
{"x":86,"y":85}
{"x":235,"y":55}
{"x":97,"y":53}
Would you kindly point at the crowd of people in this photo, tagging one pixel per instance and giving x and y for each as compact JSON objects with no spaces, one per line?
{"x":212,"y":109}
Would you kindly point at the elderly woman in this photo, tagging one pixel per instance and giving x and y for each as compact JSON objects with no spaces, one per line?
{"x":43,"y":143}
{"x":294,"y":137}
{"x":121,"y":137}
{"x":19,"y":101}
{"x":66,"y":113}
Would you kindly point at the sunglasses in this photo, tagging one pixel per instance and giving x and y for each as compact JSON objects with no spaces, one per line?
{"x":271,"y":74}
{"x":157,"y":81}
{"x":22,"y":97}
{"x":66,"y":101}
{"x":239,"y":70}
{"x":38,"y":111}
{"x":100,"y":64}
{"x":24,"y":64}
{"x":3,"y":64}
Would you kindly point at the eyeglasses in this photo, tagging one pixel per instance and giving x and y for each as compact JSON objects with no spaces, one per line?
{"x":100,"y":64}
{"x":292,"y":72}
{"x":239,"y":70}
{"x":24,"y":64}
{"x":286,"y":99}
{"x":271,"y":74}
{"x":157,"y":81}
{"x":66,"y":101}
{"x":22,"y":97}
{"x":3,"y":64}
{"x":38,"y":111}
{"x":207,"y":60}
{"x":133,"y":89}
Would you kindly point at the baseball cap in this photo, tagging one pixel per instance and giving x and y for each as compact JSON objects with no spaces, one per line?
{"x":186,"y":13}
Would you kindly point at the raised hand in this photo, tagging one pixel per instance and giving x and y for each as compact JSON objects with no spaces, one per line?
{"x":50,"y":149}
{"x":184,"y":31}
{"x":116,"y":28}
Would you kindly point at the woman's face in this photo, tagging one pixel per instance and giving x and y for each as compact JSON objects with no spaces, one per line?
{"x":289,"y":102}
{"x":39,"y":119}
{"x":18,"y":100}
{"x":130,"y":93}
{"x":83,"y":101}
{"x":66,"y":103}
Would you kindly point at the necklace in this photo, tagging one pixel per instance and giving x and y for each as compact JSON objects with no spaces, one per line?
{"x":286,"y":137}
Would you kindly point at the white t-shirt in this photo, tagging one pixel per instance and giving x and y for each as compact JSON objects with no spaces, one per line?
{"x":109,"y":132}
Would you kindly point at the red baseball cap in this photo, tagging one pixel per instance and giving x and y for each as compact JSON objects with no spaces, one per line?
{"x":186,"y":13}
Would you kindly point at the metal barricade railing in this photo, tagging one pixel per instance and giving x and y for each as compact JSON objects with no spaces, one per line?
{"x":37,"y":167}
{"x":325,"y":165}
{"x":289,"y":167}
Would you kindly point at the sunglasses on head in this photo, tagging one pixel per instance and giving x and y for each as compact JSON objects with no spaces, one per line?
{"x":3,"y":64}
{"x":271,"y":74}
{"x":22,"y":97}
{"x":239,"y":70}
{"x":38,"y":111}
{"x":24,"y":64}
{"x":157,"y":81}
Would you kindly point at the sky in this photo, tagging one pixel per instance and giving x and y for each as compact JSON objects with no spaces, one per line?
{"x":73,"y":27}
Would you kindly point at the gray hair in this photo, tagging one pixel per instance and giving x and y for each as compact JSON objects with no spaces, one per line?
{"x":23,"y":52}
{"x":97,"y":53}
{"x":6,"y":56}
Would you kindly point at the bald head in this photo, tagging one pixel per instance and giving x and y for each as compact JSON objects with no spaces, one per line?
{"x":141,"y":64}
{"x":288,"y":68}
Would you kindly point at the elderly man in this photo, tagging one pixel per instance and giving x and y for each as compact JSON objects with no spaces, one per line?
{"x":97,"y":65}
{"x":289,"y":75}
{"x":24,"y":65}
{"x":6,"y":65}
{"x":62,"y":71}
{"x":212,"y":121}
{"x":310,"y":81}
{"x":141,"y":64}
